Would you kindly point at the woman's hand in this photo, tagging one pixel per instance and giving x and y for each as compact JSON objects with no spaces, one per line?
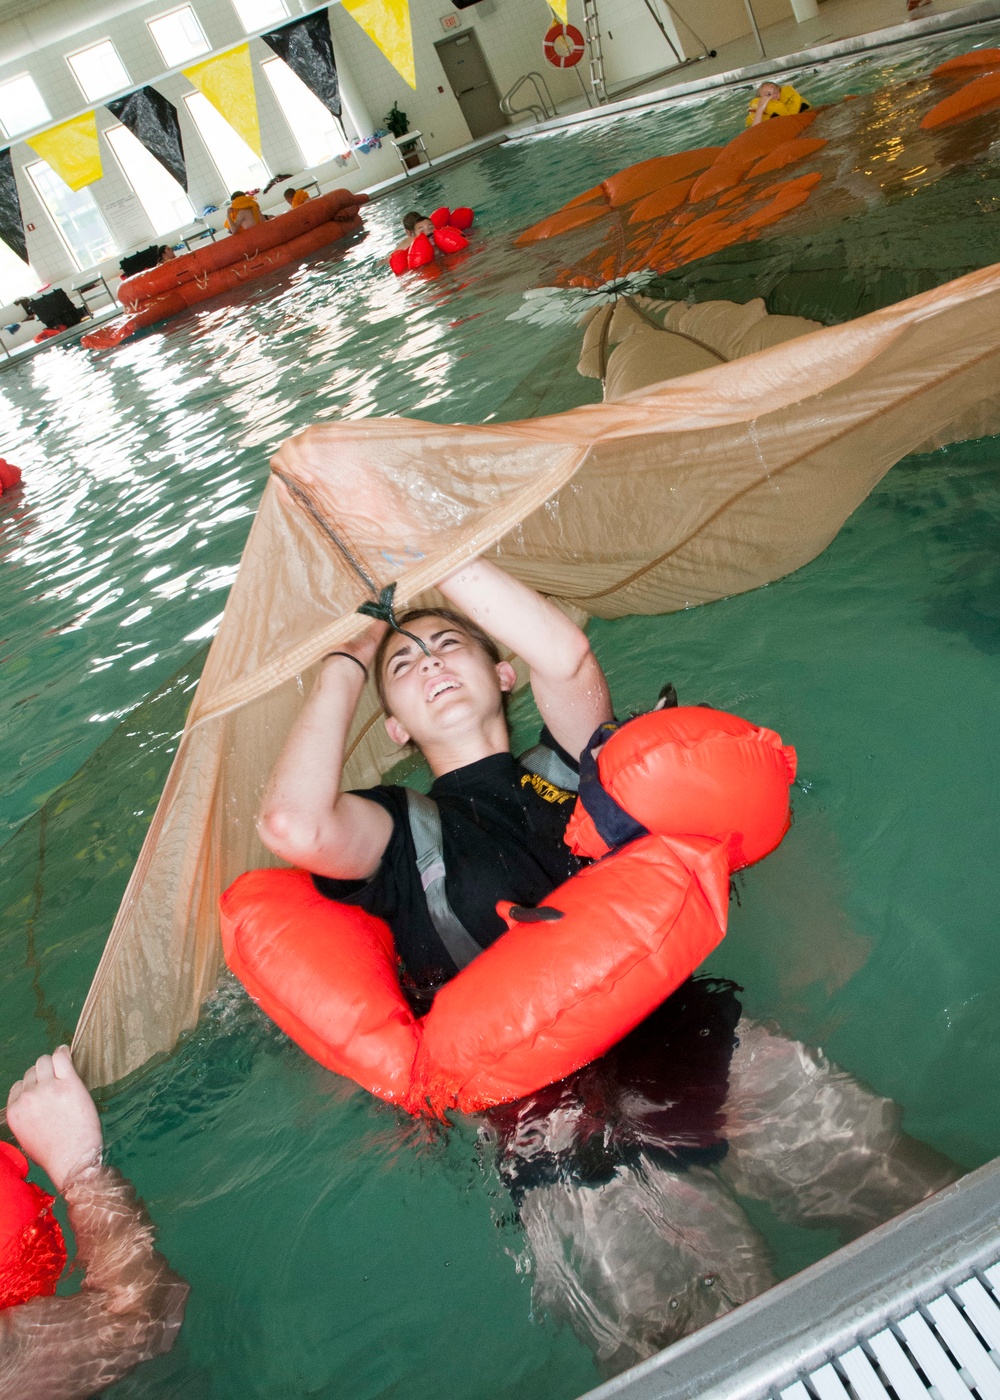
{"x":53,"y":1117}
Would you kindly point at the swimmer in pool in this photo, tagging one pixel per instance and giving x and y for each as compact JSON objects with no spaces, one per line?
{"x":415,"y":224}
{"x":131,"y":1305}
{"x":775,"y":101}
{"x":244,"y":212}
{"x":296,"y":198}
{"x":625,"y":1172}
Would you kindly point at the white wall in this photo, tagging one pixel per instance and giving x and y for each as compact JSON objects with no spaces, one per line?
{"x":509,"y":31}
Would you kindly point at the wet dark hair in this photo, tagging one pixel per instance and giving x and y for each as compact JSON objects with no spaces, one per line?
{"x":290,"y":190}
{"x":410,"y":222}
{"x":457,"y":620}
{"x":238,"y":194}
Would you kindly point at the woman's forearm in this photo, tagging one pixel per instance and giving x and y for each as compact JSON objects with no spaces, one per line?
{"x":129,"y":1309}
{"x":517,"y":616}
{"x":304,"y":786}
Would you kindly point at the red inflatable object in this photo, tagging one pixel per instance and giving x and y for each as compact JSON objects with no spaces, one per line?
{"x":449,"y":240}
{"x":548,"y":996}
{"x":693,"y":771}
{"x":398,"y":262}
{"x":462,"y":218}
{"x":32,"y":1249}
{"x":441,"y":217}
{"x":542,"y":1001}
{"x":229,"y":263}
{"x":10,"y":476}
{"x":421,"y":252}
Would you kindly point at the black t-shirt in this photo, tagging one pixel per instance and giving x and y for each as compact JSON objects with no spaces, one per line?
{"x":502,"y":831}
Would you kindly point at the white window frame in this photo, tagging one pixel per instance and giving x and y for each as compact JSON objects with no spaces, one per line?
{"x":16,"y":78}
{"x":188,"y":218}
{"x":228,"y":188}
{"x":255,"y":28}
{"x":268,"y":63}
{"x":106,"y":92}
{"x":190,"y":58}
{"x":57,"y":226}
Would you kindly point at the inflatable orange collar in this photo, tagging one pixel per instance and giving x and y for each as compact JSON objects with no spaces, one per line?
{"x":709,"y":792}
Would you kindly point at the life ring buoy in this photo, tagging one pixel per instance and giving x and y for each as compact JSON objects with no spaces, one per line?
{"x":563,"y":46}
{"x":565,"y":982}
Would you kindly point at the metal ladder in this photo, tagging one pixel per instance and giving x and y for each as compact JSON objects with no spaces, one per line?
{"x":910,"y":1311}
{"x":592,"y":34}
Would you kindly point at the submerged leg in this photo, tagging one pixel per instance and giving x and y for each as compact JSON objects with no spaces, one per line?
{"x":643,"y":1259}
{"x":816,"y":1144}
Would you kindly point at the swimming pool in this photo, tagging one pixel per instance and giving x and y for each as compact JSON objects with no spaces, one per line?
{"x":331,"y":1246}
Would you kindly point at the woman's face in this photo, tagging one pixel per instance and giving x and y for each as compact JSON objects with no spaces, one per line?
{"x":456,"y":688}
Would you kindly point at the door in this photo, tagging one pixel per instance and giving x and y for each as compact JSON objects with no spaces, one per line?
{"x":472,"y":83}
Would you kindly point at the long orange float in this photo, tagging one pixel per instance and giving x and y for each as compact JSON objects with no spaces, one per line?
{"x":229,"y":263}
{"x":566,"y":981}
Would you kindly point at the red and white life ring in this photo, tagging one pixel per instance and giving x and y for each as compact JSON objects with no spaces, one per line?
{"x":563,"y":46}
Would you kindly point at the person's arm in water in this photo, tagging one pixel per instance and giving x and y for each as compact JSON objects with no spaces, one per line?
{"x":569,"y":687}
{"x":131,"y":1304}
{"x":305,"y":818}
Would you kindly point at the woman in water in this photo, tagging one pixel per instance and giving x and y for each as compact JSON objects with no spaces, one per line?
{"x":624,"y":1174}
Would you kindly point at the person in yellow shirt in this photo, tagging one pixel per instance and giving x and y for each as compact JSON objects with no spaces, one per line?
{"x":775,"y":101}
{"x":296,"y":198}
{"x":244,"y":212}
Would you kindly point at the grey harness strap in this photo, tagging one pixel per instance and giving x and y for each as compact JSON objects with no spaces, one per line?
{"x":425,"y":828}
{"x":548,"y":765}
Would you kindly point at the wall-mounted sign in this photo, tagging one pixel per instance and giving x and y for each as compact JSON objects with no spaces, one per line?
{"x":451,"y":22}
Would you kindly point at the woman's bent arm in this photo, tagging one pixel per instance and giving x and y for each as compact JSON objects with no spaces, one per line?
{"x":305,"y":818}
{"x":570,"y":688}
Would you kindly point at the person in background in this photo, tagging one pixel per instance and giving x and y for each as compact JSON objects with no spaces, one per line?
{"x":296,"y":198}
{"x":775,"y":101}
{"x":130,"y":1306}
{"x":415,"y":224}
{"x":244,"y":212}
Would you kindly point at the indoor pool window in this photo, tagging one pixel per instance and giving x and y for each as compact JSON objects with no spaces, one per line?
{"x":75,"y":214}
{"x":99,"y":70}
{"x":17,"y":279}
{"x":179,"y":36}
{"x":164,"y":200}
{"x":240,"y":167}
{"x":318,"y":133}
{"x":258,"y":14}
{"x":22,"y":106}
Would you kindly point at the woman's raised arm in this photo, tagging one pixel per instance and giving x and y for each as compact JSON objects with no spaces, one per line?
{"x":569,"y":687}
{"x":304,"y":817}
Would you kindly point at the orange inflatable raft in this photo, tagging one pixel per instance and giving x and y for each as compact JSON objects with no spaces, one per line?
{"x":222,"y":266}
{"x":707,"y":792}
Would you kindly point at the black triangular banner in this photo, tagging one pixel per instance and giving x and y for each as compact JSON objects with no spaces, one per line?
{"x":153,"y":121}
{"x":11,"y":223}
{"x":307,"y":47}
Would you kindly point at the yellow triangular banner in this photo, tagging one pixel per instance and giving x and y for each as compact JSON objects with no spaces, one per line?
{"x":387,"y":23}
{"x":72,"y":149}
{"x":227,"y":82}
{"x":560,"y":8}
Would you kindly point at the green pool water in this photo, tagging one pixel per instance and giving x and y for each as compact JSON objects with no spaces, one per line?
{"x":333,"y":1247}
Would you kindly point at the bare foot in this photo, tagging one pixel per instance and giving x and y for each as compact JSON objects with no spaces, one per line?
{"x":53,"y":1117}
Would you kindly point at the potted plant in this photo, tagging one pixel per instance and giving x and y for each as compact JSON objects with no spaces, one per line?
{"x":397,"y":122}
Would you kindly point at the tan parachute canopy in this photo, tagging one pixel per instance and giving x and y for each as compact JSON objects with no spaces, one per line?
{"x":706,"y":485}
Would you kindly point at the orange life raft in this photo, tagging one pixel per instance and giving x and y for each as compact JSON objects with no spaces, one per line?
{"x":566,"y":981}
{"x":222,"y":266}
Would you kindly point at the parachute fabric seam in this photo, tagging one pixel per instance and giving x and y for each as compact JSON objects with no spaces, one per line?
{"x":769,"y":475}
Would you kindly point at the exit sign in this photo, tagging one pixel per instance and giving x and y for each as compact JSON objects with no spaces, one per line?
{"x":451,"y":21}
